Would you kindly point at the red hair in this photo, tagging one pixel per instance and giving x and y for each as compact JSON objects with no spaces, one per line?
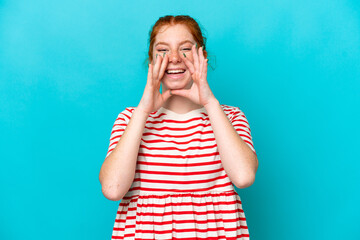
{"x":170,"y":20}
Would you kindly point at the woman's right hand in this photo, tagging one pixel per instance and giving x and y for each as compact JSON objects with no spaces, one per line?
{"x":152,"y":99}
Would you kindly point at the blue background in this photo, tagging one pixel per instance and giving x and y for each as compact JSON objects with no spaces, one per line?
{"x":67,"y":68}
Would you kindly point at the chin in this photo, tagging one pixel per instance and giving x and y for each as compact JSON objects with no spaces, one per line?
{"x":176,"y":83}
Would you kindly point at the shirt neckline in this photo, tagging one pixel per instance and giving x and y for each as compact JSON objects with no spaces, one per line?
{"x":191,"y":113}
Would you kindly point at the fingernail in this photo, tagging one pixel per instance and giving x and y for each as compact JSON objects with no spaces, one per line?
{"x":164,"y":55}
{"x":184,"y":55}
{"x":156,"y":56}
{"x":196,"y":45}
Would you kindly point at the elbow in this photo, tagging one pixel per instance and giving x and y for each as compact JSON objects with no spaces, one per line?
{"x":109,"y":191}
{"x":111,"y":194}
{"x":247,"y":178}
{"x":245,"y":181}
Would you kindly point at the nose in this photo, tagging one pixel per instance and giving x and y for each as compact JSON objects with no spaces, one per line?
{"x":174,"y":57}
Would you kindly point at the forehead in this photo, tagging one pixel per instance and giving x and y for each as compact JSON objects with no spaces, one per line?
{"x":173,"y":34}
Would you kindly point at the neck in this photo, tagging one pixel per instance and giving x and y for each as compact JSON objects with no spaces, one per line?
{"x":180,"y":104}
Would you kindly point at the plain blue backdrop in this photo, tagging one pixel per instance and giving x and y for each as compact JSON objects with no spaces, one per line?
{"x":67,"y":68}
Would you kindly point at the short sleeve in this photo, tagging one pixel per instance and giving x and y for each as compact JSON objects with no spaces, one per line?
{"x":118,"y":128}
{"x":242,"y":127}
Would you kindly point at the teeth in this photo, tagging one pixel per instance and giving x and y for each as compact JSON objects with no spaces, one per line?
{"x":174,"y":71}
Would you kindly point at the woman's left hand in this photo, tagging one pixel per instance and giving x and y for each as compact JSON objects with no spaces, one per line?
{"x":199,"y":92}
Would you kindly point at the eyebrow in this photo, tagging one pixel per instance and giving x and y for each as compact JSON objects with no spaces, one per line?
{"x":168,"y":44}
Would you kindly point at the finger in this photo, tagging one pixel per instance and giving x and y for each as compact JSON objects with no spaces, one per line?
{"x":149,"y":76}
{"x":195,"y":57}
{"x":201,"y":60}
{"x":166,"y":95}
{"x":204,"y":71}
{"x":188,"y":63}
{"x":156,"y":67}
{"x":201,"y":54}
{"x":164,"y":64}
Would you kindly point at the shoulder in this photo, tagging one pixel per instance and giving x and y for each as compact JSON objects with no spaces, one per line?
{"x":231,"y":111}
{"x":126,"y":113}
{"x":227,"y":107}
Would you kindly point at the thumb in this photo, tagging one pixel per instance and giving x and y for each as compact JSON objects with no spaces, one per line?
{"x":166,"y":95}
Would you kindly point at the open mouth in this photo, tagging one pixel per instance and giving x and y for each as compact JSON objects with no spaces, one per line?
{"x":175,"y":73}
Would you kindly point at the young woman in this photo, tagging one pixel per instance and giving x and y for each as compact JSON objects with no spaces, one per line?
{"x":174,"y":158}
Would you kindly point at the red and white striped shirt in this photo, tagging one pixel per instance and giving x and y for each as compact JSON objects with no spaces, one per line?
{"x":180,"y":189}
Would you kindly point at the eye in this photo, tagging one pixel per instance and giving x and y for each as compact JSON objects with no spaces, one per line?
{"x":162,"y":50}
{"x":187,"y":49}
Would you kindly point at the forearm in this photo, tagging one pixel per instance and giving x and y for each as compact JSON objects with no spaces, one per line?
{"x":239,"y":161}
{"x":118,"y":170}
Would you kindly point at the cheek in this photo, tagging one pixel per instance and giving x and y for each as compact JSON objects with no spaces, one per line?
{"x":189,"y":56}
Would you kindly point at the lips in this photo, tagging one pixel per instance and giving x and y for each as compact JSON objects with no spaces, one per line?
{"x":175,"y":70}
{"x":177,"y":74}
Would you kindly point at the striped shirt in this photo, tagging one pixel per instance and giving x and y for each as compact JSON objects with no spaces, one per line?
{"x":180,"y":189}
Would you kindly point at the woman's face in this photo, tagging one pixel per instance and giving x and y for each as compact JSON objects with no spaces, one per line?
{"x":173,"y":41}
